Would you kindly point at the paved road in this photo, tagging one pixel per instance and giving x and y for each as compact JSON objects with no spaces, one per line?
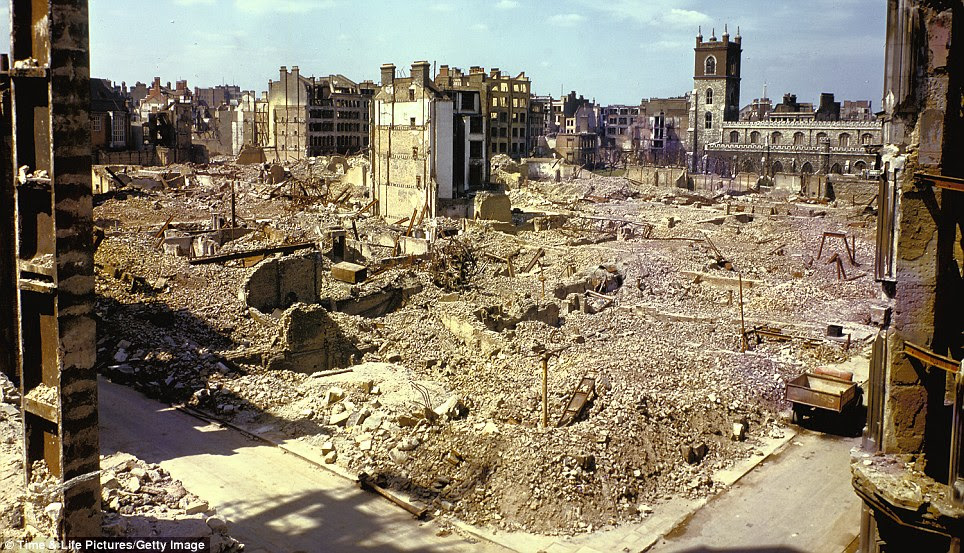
{"x":799,"y":500}
{"x":274,"y":501}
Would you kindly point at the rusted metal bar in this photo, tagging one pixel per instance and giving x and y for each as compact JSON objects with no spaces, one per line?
{"x":114,"y":176}
{"x":421,"y":216}
{"x":367,"y":483}
{"x":941,"y":181}
{"x":367,"y":207}
{"x":923,"y":354}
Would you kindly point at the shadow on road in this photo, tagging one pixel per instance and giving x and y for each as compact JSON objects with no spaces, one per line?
{"x":169,"y":348}
{"x":849,"y":424}
{"x":305,"y":510}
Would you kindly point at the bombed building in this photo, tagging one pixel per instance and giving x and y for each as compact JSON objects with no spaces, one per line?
{"x":367,"y":318}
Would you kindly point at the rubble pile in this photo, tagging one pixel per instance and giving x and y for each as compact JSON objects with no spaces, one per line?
{"x":638,"y":288}
{"x":11,"y":462}
{"x":141,"y":499}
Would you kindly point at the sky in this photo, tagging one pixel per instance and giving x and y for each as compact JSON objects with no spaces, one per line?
{"x":616,"y":51}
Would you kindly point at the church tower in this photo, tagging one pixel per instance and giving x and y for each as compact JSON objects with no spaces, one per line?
{"x":716,"y":88}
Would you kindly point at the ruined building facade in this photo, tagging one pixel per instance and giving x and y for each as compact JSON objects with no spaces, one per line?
{"x":308,"y":117}
{"x":663,"y":137}
{"x":909,"y":476}
{"x":505,"y":105}
{"x":469,"y":95}
{"x":412,"y":144}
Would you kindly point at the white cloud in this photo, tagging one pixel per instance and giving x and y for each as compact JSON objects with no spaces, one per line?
{"x":566,"y":19}
{"x":650,"y":12}
{"x":443,"y":7}
{"x":480,"y":27}
{"x":506,"y":4}
{"x":280,"y":6}
{"x":685,"y":18}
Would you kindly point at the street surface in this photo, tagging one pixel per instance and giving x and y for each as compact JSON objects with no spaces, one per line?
{"x":799,"y":500}
{"x":273,"y":501}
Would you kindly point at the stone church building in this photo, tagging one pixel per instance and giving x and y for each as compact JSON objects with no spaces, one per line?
{"x":797,"y":143}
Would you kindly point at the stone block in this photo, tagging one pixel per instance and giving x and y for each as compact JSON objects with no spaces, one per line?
{"x":351,"y":273}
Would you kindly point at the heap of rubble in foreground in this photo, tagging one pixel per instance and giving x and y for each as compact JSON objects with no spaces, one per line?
{"x":139,"y":499}
{"x":427,"y":373}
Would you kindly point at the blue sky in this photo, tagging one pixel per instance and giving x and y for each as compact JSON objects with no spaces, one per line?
{"x":617,"y":51}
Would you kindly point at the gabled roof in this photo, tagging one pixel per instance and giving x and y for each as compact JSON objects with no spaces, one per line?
{"x":103,"y":97}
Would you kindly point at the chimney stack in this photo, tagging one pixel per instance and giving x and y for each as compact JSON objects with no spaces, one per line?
{"x":388,"y":73}
{"x":421,"y":72}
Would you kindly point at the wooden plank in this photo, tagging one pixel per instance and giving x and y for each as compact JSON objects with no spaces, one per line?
{"x":164,"y":227}
{"x":539,"y":253}
{"x":367,"y":207}
{"x":411,"y":223}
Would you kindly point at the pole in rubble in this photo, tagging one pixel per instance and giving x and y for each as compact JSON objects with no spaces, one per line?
{"x":545,"y":354}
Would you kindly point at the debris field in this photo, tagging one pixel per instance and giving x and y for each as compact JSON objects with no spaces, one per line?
{"x":413,"y":351}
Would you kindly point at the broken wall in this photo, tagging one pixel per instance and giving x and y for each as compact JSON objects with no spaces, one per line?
{"x":310,"y":340}
{"x":655,"y":175}
{"x":493,"y":207}
{"x":281,"y":282}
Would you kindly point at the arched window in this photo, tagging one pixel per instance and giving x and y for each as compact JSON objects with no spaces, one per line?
{"x":866,"y":138}
{"x":798,"y":138}
{"x":775,"y":138}
{"x":709,"y":96}
{"x":777,"y":167}
{"x":821,"y":136}
{"x":807,"y":168}
{"x":709,"y":121}
{"x":710,"y":68}
{"x":844,"y":140}
{"x":835,"y":168}
{"x":755,"y":137}
{"x":747,"y":166}
{"x":734,"y":137}
{"x":859,"y":166}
